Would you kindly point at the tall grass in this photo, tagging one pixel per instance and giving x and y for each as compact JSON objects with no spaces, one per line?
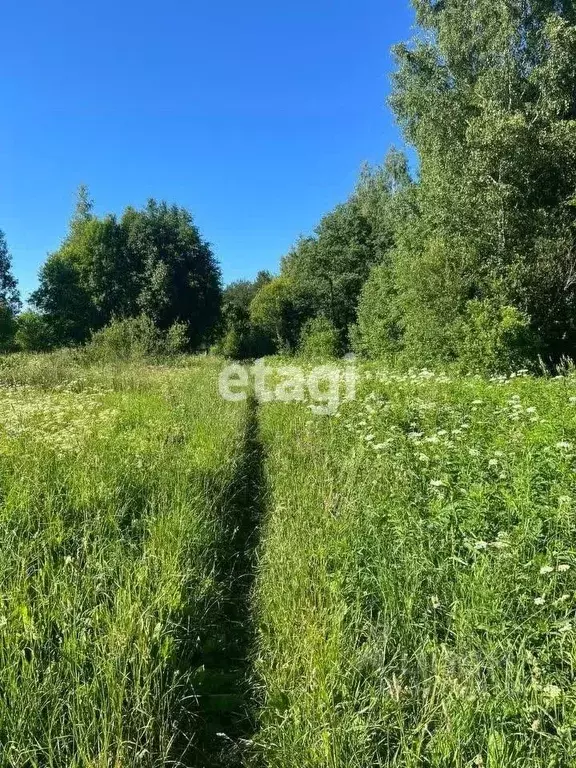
{"x":114,"y":485}
{"x":416,"y":598}
{"x":415,"y":594}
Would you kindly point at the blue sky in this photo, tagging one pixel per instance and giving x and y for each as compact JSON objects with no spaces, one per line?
{"x":256,"y":116}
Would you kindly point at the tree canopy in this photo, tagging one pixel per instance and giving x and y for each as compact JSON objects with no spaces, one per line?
{"x":9,"y":296}
{"x":152,"y":262}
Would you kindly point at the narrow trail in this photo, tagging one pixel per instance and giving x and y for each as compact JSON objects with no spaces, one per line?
{"x":225,"y":695}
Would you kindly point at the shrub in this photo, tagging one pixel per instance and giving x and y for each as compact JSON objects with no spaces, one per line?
{"x":493,"y":339}
{"x":244,"y":343}
{"x":319,"y":338}
{"x":176,"y":340}
{"x":137,"y":338}
{"x":7,"y":328}
{"x":377,"y":333}
{"x":33,"y":333}
{"x":126,"y":339}
{"x":234,"y":344}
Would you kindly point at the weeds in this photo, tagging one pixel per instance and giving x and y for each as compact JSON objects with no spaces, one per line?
{"x":110,"y":526}
{"x":188,"y":581}
{"x":416,"y":595}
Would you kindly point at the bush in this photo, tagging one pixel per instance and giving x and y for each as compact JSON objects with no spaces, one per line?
{"x":319,"y":338}
{"x":494,"y":339}
{"x":176,"y":340}
{"x":7,"y":328}
{"x":233,"y":344}
{"x":33,"y":333}
{"x":377,"y":333}
{"x":244,"y":343}
{"x":136,"y":338}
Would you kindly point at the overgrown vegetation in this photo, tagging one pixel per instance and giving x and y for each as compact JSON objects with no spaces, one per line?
{"x":116,"y":490}
{"x":416,"y":591}
{"x":194,"y":582}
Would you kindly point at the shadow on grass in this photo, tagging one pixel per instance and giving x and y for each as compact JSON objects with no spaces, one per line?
{"x":222,"y":704}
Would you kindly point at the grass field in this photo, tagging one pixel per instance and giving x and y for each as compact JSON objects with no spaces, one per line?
{"x":187,"y":581}
{"x":117,"y":487}
{"x":416,"y":596}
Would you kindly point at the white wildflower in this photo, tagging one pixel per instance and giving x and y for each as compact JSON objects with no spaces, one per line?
{"x":562,"y":599}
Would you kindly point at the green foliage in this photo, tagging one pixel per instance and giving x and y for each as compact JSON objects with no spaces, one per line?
{"x":178,"y":276}
{"x":494,"y":339}
{"x":151,"y":262}
{"x":276,"y":313}
{"x":329,"y":269}
{"x":126,"y":339}
{"x":239,"y":338}
{"x":7,"y":328}
{"x":415,"y":272}
{"x":378,"y":333}
{"x":64,"y":301}
{"x":333,"y":266}
{"x":487,"y":96}
{"x":176,"y":340}
{"x":33,"y":332}
{"x":9,"y":295}
{"x":136,"y":338}
{"x":416,"y":581}
{"x":319,"y":339}
{"x":119,"y":485}
{"x":244,"y":343}
{"x":238,"y":295}
{"x":233,"y":345}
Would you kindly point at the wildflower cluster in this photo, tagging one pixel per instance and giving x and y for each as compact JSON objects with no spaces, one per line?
{"x":61,"y":419}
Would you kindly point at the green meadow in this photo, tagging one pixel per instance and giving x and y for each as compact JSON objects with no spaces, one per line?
{"x":187,"y":581}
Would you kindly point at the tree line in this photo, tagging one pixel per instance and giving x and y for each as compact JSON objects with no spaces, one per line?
{"x":467,"y":258}
{"x":472,"y":259}
{"x":149,"y":263}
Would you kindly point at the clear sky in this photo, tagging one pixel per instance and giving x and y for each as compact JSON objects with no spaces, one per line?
{"x":254,"y":115}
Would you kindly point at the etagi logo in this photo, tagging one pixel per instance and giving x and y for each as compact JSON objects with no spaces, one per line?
{"x":324,"y":386}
